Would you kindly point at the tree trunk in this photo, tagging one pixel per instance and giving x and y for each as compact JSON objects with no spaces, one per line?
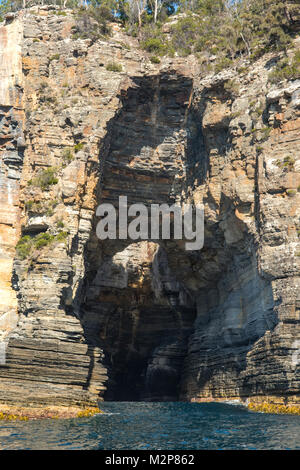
{"x":155,"y":10}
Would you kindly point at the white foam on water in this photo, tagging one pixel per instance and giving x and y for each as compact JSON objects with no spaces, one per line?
{"x":236,"y":402}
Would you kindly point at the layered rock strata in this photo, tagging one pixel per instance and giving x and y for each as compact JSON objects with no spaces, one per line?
{"x":132,"y":319}
{"x":11,"y":159}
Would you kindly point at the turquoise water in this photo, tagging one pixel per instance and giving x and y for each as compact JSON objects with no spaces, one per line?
{"x":158,"y":426}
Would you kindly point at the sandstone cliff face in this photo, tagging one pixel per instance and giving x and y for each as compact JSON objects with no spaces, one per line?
{"x":144,"y":319}
{"x":11,"y":150}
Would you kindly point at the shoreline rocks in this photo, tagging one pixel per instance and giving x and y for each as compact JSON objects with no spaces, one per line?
{"x":25,"y":413}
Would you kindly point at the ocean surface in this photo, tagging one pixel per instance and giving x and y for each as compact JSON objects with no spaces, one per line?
{"x":157,"y":426}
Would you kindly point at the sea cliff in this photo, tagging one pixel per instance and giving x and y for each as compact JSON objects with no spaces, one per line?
{"x":85,"y":121}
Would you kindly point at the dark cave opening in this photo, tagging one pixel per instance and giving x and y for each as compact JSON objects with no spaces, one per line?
{"x":140,"y":299}
{"x":141,"y":318}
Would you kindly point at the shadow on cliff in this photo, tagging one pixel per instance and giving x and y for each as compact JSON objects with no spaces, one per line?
{"x":154,"y":113}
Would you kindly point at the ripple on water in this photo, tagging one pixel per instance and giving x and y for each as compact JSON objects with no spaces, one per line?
{"x":158,"y":426}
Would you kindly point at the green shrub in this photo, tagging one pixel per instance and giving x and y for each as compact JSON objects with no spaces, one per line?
{"x":35,"y":207}
{"x":286,"y":164}
{"x":42,"y":239}
{"x":242,"y":70}
{"x":91,"y":23}
{"x":154,"y":45}
{"x":44,"y":208}
{"x":60,"y":224}
{"x":235,"y":115}
{"x":222,"y":64}
{"x":28,"y":245}
{"x":102,"y":12}
{"x":266,"y":131}
{"x":29,"y":205}
{"x":125,"y":45}
{"x":43,"y":86}
{"x":232,"y":87}
{"x":44,"y":179}
{"x":67,"y":156}
{"x":24,"y":247}
{"x":54,"y":57}
{"x":49,"y":207}
{"x":78,"y":147}
{"x":46,"y":94}
{"x":186,"y":36}
{"x":61,"y":236}
{"x":286,"y":69}
{"x":289,"y":162}
{"x":49,"y":99}
{"x":155,"y":60}
{"x":113,"y":67}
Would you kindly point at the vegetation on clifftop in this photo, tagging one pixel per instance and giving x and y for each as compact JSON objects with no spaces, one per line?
{"x":224,"y":29}
{"x":286,"y":69}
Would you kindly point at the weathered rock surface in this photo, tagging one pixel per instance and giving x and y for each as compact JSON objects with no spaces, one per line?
{"x":125,"y":319}
{"x":11,"y":158}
